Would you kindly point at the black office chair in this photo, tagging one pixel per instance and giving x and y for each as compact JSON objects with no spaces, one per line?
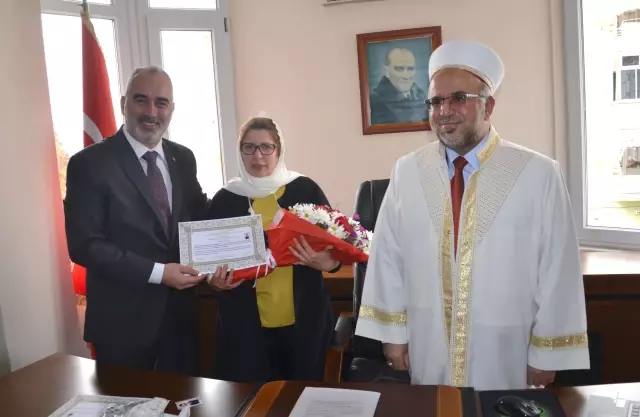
{"x":363,"y":360}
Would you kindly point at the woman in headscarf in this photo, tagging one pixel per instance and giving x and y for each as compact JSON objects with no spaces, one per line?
{"x":278,"y":327}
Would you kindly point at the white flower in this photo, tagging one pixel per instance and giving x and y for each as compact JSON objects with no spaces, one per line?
{"x":323,"y":217}
{"x":307,"y":212}
{"x":328,"y":220}
{"x":337,"y":231}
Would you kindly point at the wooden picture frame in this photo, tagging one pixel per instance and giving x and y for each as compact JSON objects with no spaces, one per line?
{"x":392,"y":97}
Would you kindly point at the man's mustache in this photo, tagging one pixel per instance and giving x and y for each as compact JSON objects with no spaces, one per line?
{"x":148,"y":119}
{"x":450,"y":119}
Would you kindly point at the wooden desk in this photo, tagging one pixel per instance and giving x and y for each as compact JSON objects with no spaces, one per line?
{"x":278,"y":398}
{"x":612,"y":291}
{"x":43,"y":387}
{"x":345,"y":272}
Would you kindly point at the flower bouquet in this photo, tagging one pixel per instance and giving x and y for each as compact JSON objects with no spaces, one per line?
{"x":321,"y":226}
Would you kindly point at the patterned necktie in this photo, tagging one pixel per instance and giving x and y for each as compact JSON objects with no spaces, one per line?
{"x":157,"y":186}
{"x":457,"y":191}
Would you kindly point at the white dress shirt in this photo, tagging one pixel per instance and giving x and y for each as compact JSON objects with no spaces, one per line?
{"x":161,"y":162}
{"x":473,"y":163}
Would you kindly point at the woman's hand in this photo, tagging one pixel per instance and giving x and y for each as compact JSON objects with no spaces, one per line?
{"x":321,"y":261}
{"x":222,"y":279}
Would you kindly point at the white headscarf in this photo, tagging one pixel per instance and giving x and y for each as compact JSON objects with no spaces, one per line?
{"x":249,"y":186}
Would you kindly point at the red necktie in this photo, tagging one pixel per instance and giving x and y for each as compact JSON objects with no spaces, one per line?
{"x":457,"y":191}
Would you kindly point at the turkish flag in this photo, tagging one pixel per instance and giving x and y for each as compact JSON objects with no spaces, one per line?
{"x":99,"y":119}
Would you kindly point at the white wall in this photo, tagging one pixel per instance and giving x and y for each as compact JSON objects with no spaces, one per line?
{"x":37,"y":304}
{"x":297,"y":60}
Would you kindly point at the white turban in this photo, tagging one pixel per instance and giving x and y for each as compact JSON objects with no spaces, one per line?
{"x":471,"y":56}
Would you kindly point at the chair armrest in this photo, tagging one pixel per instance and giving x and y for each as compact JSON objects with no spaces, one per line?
{"x":339,"y":345}
{"x":342,"y":332}
{"x":367,"y":370}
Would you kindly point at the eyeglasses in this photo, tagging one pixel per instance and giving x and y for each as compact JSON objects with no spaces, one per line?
{"x":458,"y":98}
{"x":265,"y":148}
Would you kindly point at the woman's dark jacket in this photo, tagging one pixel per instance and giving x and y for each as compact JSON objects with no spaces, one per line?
{"x":240,"y":352}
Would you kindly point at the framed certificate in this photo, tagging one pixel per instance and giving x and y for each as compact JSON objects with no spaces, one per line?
{"x":237,"y":242}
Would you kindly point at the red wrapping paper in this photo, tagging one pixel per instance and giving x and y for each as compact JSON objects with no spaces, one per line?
{"x":280,"y":234}
{"x":248,"y":274}
{"x":290,"y":226}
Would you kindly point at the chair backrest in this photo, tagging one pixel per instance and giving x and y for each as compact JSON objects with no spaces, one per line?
{"x":368,"y":200}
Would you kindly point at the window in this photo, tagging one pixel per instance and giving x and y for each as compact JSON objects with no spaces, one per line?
{"x":187,"y":38}
{"x":62,"y":47}
{"x":91,"y":1}
{"x":195,"y":95}
{"x":183,"y":4}
{"x":630,"y":78}
{"x":603,"y":38}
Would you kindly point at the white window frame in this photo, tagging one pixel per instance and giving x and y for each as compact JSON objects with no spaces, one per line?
{"x":576,"y":134}
{"x":137,"y":28}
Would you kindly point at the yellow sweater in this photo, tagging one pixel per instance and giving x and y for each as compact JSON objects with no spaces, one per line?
{"x":275,"y":291}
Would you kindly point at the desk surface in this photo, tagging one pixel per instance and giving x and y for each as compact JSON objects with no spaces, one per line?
{"x":610,"y":263}
{"x":277,"y":399}
{"x":574,"y":400}
{"x":41,"y":388}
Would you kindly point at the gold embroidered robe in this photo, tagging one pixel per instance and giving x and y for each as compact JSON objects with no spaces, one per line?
{"x":514,"y":294}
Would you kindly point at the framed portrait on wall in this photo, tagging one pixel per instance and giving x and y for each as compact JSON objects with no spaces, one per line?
{"x":394,"y":79}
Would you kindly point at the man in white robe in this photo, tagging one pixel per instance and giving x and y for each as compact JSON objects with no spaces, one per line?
{"x":502,"y":306}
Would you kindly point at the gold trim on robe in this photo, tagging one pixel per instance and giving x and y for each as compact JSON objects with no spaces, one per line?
{"x":463,"y":284}
{"x":577,"y":340}
{"x":445,"y":263}
{"x":464,"y":260}
{"x":369,"y":312}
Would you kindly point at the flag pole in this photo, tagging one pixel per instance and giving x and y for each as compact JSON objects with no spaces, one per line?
{"x":86,"y":19}
{"x":78,"y":272}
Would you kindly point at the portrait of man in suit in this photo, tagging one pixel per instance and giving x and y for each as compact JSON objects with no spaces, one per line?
{"x":394,"y":77}
{"x":397,"y":98}
{"x":125,"y":197}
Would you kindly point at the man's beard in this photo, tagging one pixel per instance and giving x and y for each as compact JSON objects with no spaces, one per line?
{"x":459,"y":141}
{"x":145,"y":137}
{"x":464,"y":138}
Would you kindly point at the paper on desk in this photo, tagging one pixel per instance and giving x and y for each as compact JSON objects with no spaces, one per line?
{"x":87,"y":410}
{"x":96,"y":409}
{"x":333,"y":402}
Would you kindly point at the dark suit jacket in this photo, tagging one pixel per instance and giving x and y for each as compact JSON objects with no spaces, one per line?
{"x":388,"y":105}
{"x":113,"y":229}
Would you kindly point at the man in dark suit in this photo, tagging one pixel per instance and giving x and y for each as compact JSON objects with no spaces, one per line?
{"x":125,"y":197}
